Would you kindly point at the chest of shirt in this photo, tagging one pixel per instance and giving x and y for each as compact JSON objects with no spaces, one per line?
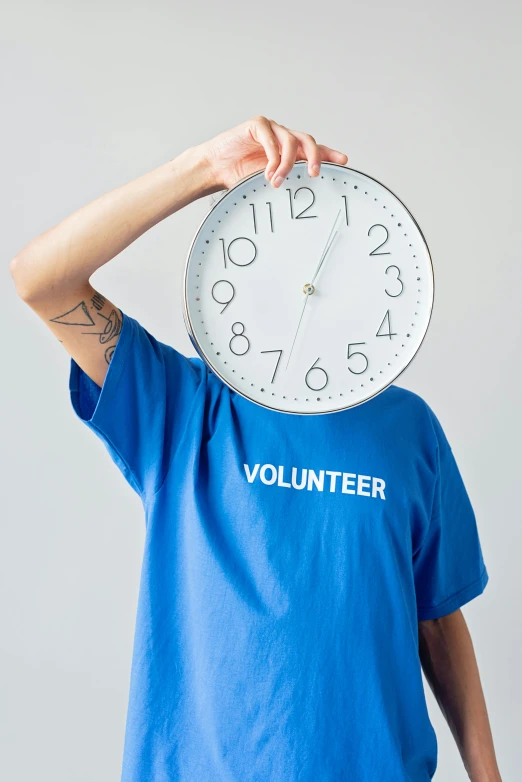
{"x":342,"y":475}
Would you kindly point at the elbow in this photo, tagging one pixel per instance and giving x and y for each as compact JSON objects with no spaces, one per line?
{"x":28,"y":285}
{"x":16,"y":268}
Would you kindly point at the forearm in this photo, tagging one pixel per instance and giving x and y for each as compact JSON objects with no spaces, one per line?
{"x":66,"y":255}
{"x":450,"y":666}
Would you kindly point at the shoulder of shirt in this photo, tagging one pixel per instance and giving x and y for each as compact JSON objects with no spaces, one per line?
{"x":411,"y":405}
{"x":397,"y":394}
{"x":418,"y":412}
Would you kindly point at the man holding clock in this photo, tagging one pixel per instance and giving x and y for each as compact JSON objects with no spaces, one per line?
{"x":300,"y":571}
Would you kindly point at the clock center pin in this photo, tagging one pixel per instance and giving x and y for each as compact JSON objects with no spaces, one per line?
{"x":308,"y":288}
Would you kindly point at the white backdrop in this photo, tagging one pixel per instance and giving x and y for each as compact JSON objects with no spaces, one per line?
{"x":424,"y":97}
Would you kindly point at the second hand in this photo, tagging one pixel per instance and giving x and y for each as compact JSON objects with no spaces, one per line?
{"x":309,"y":287}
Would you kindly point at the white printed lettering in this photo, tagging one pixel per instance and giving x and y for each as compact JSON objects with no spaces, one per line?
{"x":333,"y":478}
{"x":347,"y":476}
{"x":312,"y":478}
{"x":251,"y":476}
{"x":280,"y":481}
{"x":378,"y":485}
{"x":363,"y":482}
{"x":303,"y":478}
{"x":262,"y":474}
{"x":350,"y":483}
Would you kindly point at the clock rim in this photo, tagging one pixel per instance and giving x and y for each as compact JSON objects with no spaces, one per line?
{"x":199,"y":349}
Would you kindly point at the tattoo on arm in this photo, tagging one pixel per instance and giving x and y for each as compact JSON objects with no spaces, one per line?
{"x":98,"y":301}
{"x":80,"y":316}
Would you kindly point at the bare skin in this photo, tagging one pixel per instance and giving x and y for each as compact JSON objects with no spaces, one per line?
{"x":52,"y":275}
{"x":450,"y":666}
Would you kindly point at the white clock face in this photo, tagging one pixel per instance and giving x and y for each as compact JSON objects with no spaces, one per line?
{"x":310,"y":298}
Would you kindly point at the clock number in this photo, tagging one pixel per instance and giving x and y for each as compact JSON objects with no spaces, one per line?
{"x":226,"y":302}
{"x":242,"y":252}
{"x":269,"y":215}
{"x":318,"y":379}
{"x":254,"y":217}
{"x":346,"y":209}
{"x":389,"y":333}
{"x":357,"y":353}
{"x":397,"y":279}
{"x":239,"y":339}
{"x":278,"y":360}
{"x":301,"y":215}
{"x":374,"y":252}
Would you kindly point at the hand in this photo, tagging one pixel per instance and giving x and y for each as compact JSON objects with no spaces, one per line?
{"x":261,"y":143}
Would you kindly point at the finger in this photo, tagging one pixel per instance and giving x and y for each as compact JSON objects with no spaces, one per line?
{"x":261,"y":131}
{"x":289,"y":145}
{"x":332,"y":155}
{"x":310,"y":151}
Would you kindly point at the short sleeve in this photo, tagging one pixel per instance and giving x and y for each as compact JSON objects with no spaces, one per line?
{"x":141,"y":411}
{"x":449,"y":568}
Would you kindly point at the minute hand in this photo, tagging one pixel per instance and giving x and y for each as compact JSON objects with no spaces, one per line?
{"x":331,"y":237}
{"x":309,"y":288}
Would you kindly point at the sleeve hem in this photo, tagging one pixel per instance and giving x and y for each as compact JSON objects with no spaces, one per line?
{"x":107,"y":391}
{"x":111,"y":376}
{"x":456,"y":600}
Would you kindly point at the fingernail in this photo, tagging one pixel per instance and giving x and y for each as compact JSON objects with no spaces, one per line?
{"x":315,"y":169}
{"x":269,"y":174}
{"x":277,"y":181}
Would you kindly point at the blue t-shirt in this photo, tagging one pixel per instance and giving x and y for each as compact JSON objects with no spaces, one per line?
{"x":287,"y":562}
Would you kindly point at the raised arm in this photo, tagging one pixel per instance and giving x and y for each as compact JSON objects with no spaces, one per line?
{"x":52,"y":273}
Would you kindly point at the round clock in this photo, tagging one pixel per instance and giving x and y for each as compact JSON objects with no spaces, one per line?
{"x":312,"y":297}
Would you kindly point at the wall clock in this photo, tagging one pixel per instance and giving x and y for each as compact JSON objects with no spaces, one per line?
{"x":310,"y":298}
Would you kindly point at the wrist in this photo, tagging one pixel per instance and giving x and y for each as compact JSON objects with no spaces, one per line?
{"x":194,"y":163}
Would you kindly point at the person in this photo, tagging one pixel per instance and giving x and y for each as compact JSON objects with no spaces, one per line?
{"x":281,"y":633}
